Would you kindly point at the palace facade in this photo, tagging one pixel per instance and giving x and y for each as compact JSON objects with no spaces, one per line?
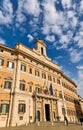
{"x":33,"y":88}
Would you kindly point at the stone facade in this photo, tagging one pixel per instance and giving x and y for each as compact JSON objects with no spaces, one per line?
{"x":33,"y":88}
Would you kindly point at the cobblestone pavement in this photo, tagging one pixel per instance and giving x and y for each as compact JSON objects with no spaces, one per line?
{"x":47,"y":126}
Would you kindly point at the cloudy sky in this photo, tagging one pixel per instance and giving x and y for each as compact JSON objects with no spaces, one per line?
{"x":58,"y":22}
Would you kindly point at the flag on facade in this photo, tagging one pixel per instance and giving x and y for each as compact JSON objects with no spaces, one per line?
{"x":51,"y":89}
{"x":45,"y":88}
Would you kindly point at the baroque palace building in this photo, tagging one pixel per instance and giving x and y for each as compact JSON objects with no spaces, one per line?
{"x":33,"y":88}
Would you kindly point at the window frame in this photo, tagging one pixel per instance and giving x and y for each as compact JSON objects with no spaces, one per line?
{"x":10,"y":64}
{"x":7,"y":84}
{"x":21,"y":108}
{"x":23,"y":69}
{"x":22,"y":86}
{"x":37,"y":89}
{"x":5,"y":109}
{"x":49,"y":78}
{"x":37,"y":73}
{"x":1,"y":62}
{"x":30,"y":70}
{"x":43,"y":75}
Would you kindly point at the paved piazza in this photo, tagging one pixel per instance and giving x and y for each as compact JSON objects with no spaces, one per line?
{"x":48,"y":126}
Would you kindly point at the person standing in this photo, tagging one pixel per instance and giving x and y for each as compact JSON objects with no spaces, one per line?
{"x":66,"y":120}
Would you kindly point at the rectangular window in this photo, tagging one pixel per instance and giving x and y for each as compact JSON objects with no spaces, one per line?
{"x":21,"y":107}
{"x":10,"y":64}
{"x":37,"y":89}
{"x":4,"y":108}
{"x":49,"y":78}
{"x":22,"y":86}
{"x":43,"y":75}
{"x":60,"y":95}
{"x":30,"y":70}
{"x":23,"y":68}
{"x":36,"y":72}
{"x":54,"y":80}
{"x":58,"y":81}
{"x":7,"y":84}
{"x":1,"y":62}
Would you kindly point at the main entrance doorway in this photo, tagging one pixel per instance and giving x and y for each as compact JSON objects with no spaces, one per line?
{"x":47,"y":112}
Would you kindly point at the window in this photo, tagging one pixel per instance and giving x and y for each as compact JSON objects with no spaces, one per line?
{"x":22,"y":86}
{"x":1,"y":50}
{"x":42,"y":51}
{"x":7,"y":84}
{"x":60,"y":95}
{"x":4,"y":108}
{"x":37,"y":89}
{"x":30,"y":88}
{"x":10,"y":64}
{"x":21,"y":107}
{"x":49,"y":78}
{"x":58,"y":81}
{"x":36,"y":72}
{"x":1,"y":61}
{"x":23,"y":67}
{"x":30,"y":70}
{"x":54,"y":80}
{"x":43,"y":75}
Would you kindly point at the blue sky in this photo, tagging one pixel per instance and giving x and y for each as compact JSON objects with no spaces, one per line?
{"x":58,"y":22}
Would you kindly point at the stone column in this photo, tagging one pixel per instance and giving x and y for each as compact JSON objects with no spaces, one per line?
{"x":14,"y":108}
{"x":51,"y":111}
{"x":42,"y":109}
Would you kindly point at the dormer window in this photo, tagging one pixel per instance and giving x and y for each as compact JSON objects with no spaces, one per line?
{"x":42,"y":52}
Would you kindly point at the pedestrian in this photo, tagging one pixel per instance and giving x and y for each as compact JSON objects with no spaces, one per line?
{"x":66,"y":120}
{"x":81,"y":120}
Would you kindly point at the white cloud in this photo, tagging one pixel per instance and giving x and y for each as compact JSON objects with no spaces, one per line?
{"x":30,"y":37}
{"x":70,"y":14}
{"x":75,"y":56}
{"x":50,"y":38}
{"x":25,"y":8}
{"x":6,"y":13}
{"x":67,"y":3}
{"x":81,"y":6}
{"x":51,"y":15}
{"x":20,"y":17}
{"x":2,"y":41}
{"x":79,"y":36}
{"x":80,"y":67}
{"x":31,"y":7}
{"x":64,"y":39}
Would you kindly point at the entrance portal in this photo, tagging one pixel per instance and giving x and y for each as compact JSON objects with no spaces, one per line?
{"x":47,"y":112}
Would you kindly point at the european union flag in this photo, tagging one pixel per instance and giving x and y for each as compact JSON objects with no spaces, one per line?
{"x":51,"y":90}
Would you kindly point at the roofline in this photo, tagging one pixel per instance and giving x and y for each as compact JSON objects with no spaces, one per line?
{"x":7,"y":47}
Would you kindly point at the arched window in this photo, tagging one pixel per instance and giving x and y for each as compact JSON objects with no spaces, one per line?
{"x":42,"y":52}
